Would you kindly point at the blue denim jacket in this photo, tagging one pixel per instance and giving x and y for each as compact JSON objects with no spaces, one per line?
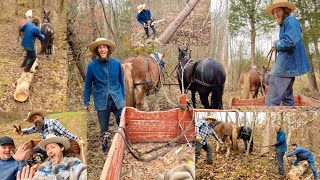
{"x":281,"y":144}
{"x":30,"y":33}
{"x":292,"y":57}
{"x":107,"y":79}
{"x":301,"y":154}
{"x":143,"y":17}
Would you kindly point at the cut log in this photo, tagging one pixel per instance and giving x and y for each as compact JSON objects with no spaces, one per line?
{"x":297,"y":171}
{"x":21,"y":93}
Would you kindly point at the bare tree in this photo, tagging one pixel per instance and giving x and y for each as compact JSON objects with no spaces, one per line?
{"x":94,"y":24}
{"x":107,"y":21}
{"x":266,"y":135}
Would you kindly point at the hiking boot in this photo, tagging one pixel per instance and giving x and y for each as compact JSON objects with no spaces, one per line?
{"x":209,"y":162}
{"x":106,"y":137}
{"x":26,"y":69}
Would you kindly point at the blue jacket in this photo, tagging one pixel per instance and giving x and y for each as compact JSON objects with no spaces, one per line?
{"x":9,"y":168}
{"x":30,"y":33}
{"x":143,"y":17}
{"x":302,"y":154}
{"x":292,"y":57}
{"x":281,"y":144}
{"x":106,"y":79}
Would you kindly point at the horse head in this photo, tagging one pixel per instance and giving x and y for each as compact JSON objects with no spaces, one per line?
{"x":46,"y":18}
{"x":184,"y":56}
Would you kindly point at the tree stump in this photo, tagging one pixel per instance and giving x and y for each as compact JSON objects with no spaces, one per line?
{"x":297,"y":171}
{"x":21,"y":93}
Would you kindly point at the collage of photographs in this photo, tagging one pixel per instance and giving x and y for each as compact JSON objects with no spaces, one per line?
{"x":159,"y":89}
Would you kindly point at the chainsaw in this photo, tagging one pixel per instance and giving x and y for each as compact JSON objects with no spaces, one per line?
{"x":155,"y":22}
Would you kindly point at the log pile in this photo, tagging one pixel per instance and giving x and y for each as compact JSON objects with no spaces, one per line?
{"x":21,"y":93}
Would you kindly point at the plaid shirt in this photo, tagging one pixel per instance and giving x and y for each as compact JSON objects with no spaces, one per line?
{"x":51,"y":126}
{"x":204,"y":130}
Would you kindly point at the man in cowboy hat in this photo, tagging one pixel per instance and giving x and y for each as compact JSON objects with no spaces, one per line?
{"x":44,"y":126}
{"x":106,"y":76}
{"x":203,"y":131}
{"x":12,"y":161}
{"x":292,"y":58}
{"x":59,"y":166}
{"x":281,"y":148}
{"x":145,"y":18}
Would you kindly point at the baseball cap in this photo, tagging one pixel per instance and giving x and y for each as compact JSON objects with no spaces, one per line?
{"x":6,"y":140}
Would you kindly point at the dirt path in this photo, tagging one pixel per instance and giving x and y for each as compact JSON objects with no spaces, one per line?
{"x":48,"y":88}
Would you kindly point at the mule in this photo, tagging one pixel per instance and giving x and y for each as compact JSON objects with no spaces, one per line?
{"x":244,"y":133}
{"x":47,"y":30}
{"x":204,"y":76}
{"x":141,"y":75}
{"x":250,"y":84}
{"x":227,"y":132}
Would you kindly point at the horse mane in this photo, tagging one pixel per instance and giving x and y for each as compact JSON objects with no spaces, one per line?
{"x":127,"y":67}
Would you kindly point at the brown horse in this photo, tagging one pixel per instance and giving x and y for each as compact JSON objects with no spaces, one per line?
{"x":141,"y":74}
{"x":228,"y":133}
{"x":250,"y":84}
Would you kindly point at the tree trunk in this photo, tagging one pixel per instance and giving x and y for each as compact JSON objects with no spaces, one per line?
{"x":21,"y":93}
{"x":16,"y":9}
{"x":94,"y":24}
{"x":175,"y":24}
{"x":107,"y":21}
{"x":296,"y":171}
{"x":266,"y":135}
{"x":253,"y":42}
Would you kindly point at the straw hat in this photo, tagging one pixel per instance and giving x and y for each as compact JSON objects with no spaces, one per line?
{"x":51,"y":138}
{"x":30,"y":114}
{"x":280,"y":3}
{"x":29,"y":13}
{"x":210,"y":117}
{"x":141,"y":7}
{"x":102,"y":41}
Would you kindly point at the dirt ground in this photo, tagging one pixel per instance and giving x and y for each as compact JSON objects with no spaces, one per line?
{"x":48,"y":88}
{"x":133,"y":169}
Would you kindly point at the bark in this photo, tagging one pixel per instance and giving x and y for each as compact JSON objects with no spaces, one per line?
{"x":107,"y":21}
{"x":266,"y":135}
{"x":94,"y":24}
{"x":175,"y":24}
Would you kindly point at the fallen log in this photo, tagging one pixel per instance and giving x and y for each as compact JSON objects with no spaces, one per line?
{"x":297,"y":171}
{"x":21,"y":93}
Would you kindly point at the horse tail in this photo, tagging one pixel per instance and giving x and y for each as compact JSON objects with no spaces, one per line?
{"x":128,"y":81}
{"x":234,"y":137}
{"x":246,"y":86}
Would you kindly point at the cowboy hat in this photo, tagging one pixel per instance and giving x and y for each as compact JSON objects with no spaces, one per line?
{"x":141,"y":7}
{"x":280,"y":3}
{"x":51,"y":138}
{"x":102,"y":41}
{"x":30,"y":114}
{"x":29,"y":13}
{"x":210,"y":117}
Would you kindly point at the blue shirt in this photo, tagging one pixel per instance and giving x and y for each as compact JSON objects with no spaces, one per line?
{"x":106,"y":79}
{"x":281,"y":144}
{"x":301,"y":154}
{"x":204,"y":130}
{"x":292,"y":57}
{"x":30,"y":33}
{"x":144,"y":16}
{"x":9,"y":168}
{"x":51,"y":126}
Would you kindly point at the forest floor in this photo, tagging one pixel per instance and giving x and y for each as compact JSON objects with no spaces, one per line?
{"x":48,"y":88}
{"x":195,"y":30}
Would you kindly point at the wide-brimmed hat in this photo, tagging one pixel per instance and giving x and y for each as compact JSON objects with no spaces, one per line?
{"x":30,"y":114}
{"x":51,"y":138}
{"x":6,"y":140}
{"x":102,"y":41}
{"x":29,"y":13}
{"x":141,"y":7}
{"x":210,"y":117}
{"x":280,"y":3}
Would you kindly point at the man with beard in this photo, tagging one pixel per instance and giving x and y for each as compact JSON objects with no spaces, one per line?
{"x":105,"y":75}
{"x":45,"y":126}
{"x":145,"y":18}
{"x":59,"y":166}
{"x":292,"y":58}
{"x":281,"y":148}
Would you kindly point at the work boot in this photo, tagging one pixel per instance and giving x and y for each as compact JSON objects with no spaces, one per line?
{"x":209,"y":162}
{"x":106,"y":137}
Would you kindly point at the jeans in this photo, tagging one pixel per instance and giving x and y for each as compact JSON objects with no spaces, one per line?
{"x":153,"y":30}
{"x":104,"y":115}
{"x":280,"y":89}
{"x":313,"y":167}
{"x":205,"y":147}
{"x":29,"y":59}
{"x":280,"y":162}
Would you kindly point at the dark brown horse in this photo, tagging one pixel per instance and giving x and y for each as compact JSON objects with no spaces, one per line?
{"x":204,"y":76}
{"x":48,"y":31}
{"x":141,"y":74}
{"x":227,"y":132}
{"x":250,"y":84}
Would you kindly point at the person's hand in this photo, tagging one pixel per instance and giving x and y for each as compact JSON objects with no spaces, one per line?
{"x":17,"y":129}
{"x":198,"y":138}
{"x":23,"y":152}
{"x":80,"y":141}
{"x":145,"y":25}
{"x":87,"y":108}
{"x":26,"y":173}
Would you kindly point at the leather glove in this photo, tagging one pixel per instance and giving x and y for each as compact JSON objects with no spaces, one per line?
{"x":149,"y":22}
{"x":198,"y":138}
{"x":17,"y":130}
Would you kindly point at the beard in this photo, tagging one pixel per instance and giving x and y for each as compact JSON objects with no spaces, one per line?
{"x":281,"y":20}
{"x":39,"y":125}
{"x":105,"y":59}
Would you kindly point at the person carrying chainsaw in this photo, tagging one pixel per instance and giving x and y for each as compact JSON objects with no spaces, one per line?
{"x":145,"y":18}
